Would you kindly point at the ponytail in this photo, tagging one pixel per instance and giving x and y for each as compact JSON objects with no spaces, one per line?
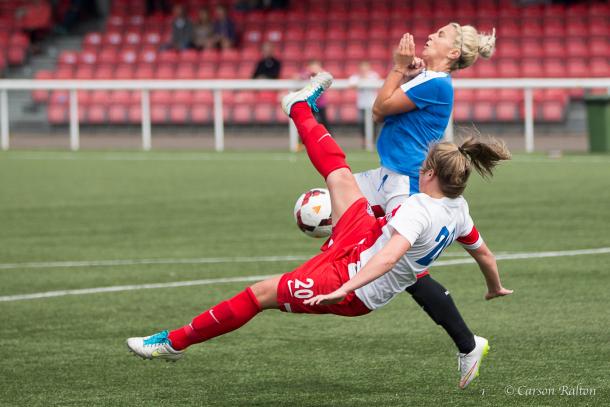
{"x":453,"y":164}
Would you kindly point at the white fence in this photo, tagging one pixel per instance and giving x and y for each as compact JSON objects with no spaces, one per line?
{"x":217,"y":86}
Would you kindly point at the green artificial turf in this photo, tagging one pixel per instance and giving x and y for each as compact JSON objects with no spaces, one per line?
{"x":181,"y":207}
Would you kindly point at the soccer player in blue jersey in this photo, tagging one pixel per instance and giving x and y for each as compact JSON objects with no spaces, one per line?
{"x":415,"y":104}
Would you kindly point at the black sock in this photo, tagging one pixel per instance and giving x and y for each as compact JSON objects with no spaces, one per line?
{"x":437,"y":303}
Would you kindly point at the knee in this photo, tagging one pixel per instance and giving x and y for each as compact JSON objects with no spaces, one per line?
{"x":266,"y":293}
{"x":340,"y":178}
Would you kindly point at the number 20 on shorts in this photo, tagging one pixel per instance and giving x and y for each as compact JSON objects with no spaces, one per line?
{"x":301,"y":289}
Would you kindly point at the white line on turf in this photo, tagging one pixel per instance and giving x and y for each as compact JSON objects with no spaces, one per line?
{"x":119,"y":288}
{"x":137,"y":262}
{"x":132,"y":262}
{"x":291,"y":157}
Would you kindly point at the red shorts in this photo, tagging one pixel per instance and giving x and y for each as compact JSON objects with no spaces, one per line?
{"x":357,"y":230}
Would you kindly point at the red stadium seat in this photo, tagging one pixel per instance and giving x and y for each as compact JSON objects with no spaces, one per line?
{"x":227,"y":71}
{"x":88,"y":57}
{"x":158,"y":114}
{"x":463,"y":96}
{"x":120,"y":97}
{"x":165,"y":72}
{"x":483,"y":112}
{"x":508,"y":68}
{"x":264,"y":113}
{"x":554,"y":47}
{"x":68,"y":58}
{"x":577,"y":68}
{"x":576,"y":28}
{"x":117,"y":114}
{"x":95,"y":114}
{"x":462,"y":112}
{"x":178,"y":114}
{"x":169,"y":57}
{"x":134,"y":114}
{"x":16,"y":55}
{"x":507,"y":111}
{"x":57,"y":114}
{"x":93,"y":40}
{"x":113,"y":38}
{"x":144,"y":72}
{"x":201,"y":114}
{"x":553,"y":111}
{"x":349,"y":114}
{"x":183,"y":97}
{"x":555,"y":68}
{"x":576,"y":47}
{"x":161,"y":97}
{"x":124,"y":72}
{"x":486,"y":69}
{"x":554,"y":28}
{"x":532,"y":68}
{"x":203,"y":97}
{"x":242,"y":114}
{"x":600,"y":67}
{"x":599,"y":47}
{"x":486,"y":95}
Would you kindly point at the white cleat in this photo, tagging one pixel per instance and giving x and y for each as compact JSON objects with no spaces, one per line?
{"x":470,"y":363}
{"x":310,"y":93}
{"x":157,"y":346}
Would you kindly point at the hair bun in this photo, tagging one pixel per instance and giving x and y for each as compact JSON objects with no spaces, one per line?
{"x":487,"y":44}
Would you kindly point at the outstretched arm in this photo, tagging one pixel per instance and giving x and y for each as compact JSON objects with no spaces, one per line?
{"x":487,"y":263}
{"x":380,"y":263}
{"x":390,"y":98}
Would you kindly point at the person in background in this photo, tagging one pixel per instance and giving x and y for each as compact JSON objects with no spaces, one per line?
{"x":366,"y":97}
{"x":268,"y":67}
{"x":35,"y":20}
{"x":313,"y":68}
{"x":203,"y":33}
{"x":182,"y":30}
{"x":153,"y":6}
{"x":225,"y":35}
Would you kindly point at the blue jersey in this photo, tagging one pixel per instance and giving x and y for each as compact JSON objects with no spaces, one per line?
{"x":405,"y":138}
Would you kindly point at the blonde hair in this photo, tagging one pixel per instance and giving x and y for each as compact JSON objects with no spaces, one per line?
{"x":472,"y":44}
{"x":452,"y":164}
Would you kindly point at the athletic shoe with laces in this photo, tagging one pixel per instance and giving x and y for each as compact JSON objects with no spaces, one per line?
{"x":469,"y":364}
{"x":157,"y":346}
{"x":310,"y":93}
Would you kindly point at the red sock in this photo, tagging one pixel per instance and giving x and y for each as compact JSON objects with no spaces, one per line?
{"x":323,"y":151}
{"x":218,"y":320}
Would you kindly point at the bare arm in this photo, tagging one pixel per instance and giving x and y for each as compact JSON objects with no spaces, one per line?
{"x":390,"y":98}
{"x":380,"y":263}
{"x":487,"y":263}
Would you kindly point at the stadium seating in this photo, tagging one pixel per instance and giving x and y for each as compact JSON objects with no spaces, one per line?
{"x":533,"y":41}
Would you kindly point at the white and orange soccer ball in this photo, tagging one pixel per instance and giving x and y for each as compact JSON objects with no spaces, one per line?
{"x":312,"y":213}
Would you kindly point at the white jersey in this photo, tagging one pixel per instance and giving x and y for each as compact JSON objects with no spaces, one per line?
{"x":430,"y":225}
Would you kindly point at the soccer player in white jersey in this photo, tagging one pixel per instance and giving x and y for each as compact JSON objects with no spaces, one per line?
{"x":369,"y":260}
{"x":415,"y":104}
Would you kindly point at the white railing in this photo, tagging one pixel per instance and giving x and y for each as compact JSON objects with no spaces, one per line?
{"x":217,"y":86}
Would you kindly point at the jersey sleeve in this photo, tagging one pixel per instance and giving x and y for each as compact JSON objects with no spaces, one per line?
{"x":425,"y":92}
{"x":470,"y":238}
{"x":410,"y":220}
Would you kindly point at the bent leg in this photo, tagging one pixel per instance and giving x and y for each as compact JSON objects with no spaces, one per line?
{"x":328,"y":158}
{"x":227,"y":316}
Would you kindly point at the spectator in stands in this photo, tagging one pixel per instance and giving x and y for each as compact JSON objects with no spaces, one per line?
{"x":203,"y":35}
{"x":153,"y":6}
{"x":366,"y":97}
{"x":182,"y":29}
{"x":34,"y":19}
{"x":314,"y":67}
{"x":224,"y":29}
{"x":268,"y":67}
{"x":74,"y":15}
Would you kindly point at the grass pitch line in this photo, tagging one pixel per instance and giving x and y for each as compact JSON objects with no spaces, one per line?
{"x":120,"y":288}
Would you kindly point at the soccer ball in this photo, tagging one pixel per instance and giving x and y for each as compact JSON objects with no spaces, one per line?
{"x":312,"y":213}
